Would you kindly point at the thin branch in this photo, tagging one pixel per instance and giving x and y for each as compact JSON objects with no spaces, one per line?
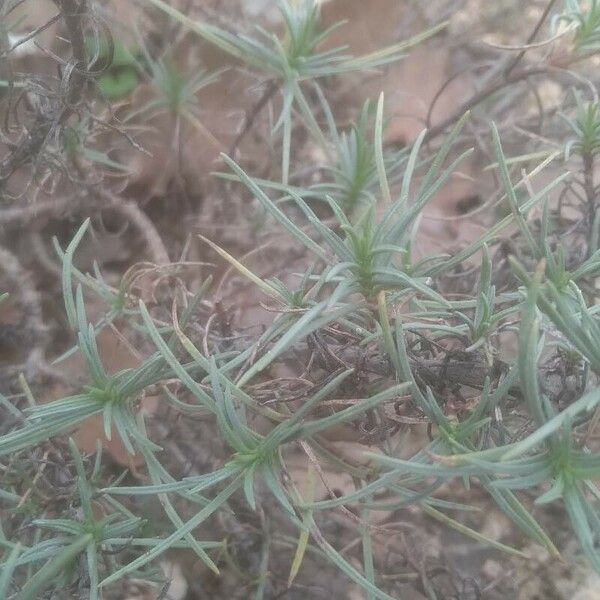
{"x":252,"y":115}
{"x":143,"y":224}
{"x":536,"y":29}
{"x":19,"y":215}
{"x":483,"y":95}
{"x":30,"y":36}
{"x":30,"y":302}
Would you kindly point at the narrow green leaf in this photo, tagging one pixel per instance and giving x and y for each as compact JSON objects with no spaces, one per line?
{"x":46,"y":576}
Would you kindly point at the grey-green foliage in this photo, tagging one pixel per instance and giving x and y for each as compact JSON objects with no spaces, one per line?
{"x":351,"y":172}
{"x":585,"y":128}
{"x":365,"y":283}
{"x":294,"y":59}
{"x":357,"y":257}
{"x":586,"y":21}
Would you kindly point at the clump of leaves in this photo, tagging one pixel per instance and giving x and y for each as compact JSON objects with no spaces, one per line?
{"x":585,"y":144}
{"x":585,"y":16}
{"x":586,"y":129}
{"x":294,"y":59}
{"x":370,"y":328}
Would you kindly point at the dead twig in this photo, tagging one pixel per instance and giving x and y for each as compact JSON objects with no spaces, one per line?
{"x":30,"y":302}
{"x":142,"y":223}
{"x":252,"y":115}
{"x":20,"y":215}
{"x":54,"y":112}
